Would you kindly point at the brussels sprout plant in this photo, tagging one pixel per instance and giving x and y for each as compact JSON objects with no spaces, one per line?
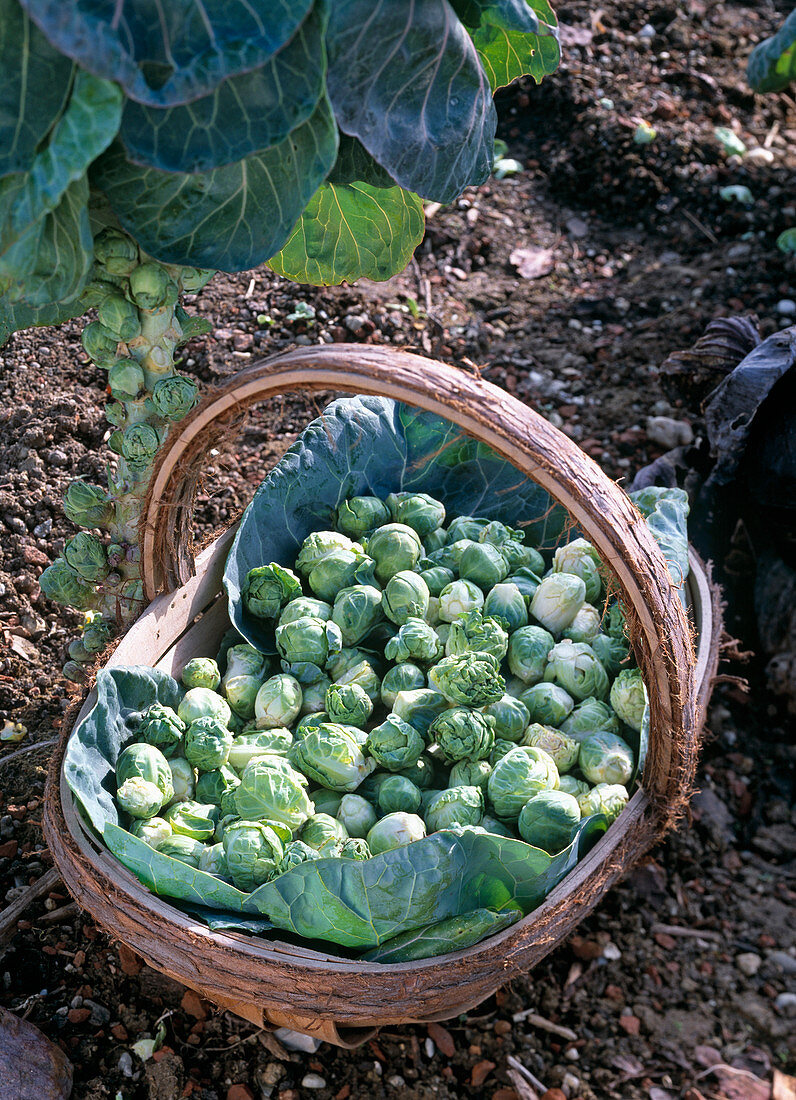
{"x":157,"y":151}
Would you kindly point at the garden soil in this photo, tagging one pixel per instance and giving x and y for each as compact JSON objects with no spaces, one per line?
{"x":567,"y":284}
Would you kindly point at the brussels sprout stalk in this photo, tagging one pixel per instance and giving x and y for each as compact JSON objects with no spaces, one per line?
{"x":141,"y":326}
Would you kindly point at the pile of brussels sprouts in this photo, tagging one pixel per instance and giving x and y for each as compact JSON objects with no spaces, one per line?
{"x":426,"y":677}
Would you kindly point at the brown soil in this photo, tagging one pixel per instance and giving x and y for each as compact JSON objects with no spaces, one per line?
{"x":644,"y":253}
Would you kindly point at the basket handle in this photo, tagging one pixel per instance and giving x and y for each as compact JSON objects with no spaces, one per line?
{"x":656,"y":621}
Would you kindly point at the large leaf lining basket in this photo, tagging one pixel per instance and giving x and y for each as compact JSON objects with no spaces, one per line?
{"x":285,"y":984}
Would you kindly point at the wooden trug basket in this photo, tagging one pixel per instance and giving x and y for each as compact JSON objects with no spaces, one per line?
{"x":274,"y":983}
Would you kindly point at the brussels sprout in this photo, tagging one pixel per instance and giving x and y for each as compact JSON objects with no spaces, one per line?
{"x":526,"y":580}
{"x":194,"y":819}
{"x":183,"y":848}
{"x":241,"y":693}
{"x":356,"y":611}
{"x":61,"y":583}
{"x":472,"y":680}
{"x":447,"y":557}
{"x":308,"y":640}
{"x":463,"y":734}
{"x":581,"y":559}
{"x":126,"y":381}
{"x":472,"y":633}
{"x":405,"y":596}
{"x":151,"y":287}
{"x":585,"y":627}
{"x":547,"y":703}
{"x":354,"y":848}
{"x":611,"y":652}
{"x":140,"y":797}
{"x":394,"y":743}
{"x":360,"y":515}
{"x":434,"y":540}
{"x":574,"y":667}
{"x":253,"y":851}
{"x":497,"y":828}
{"x":278,"y":701}
{"x":403,"y":677}
{"x":432,"y":614}
{"x":244,"y":660}
{"x":183,"y":779}
{"x":459,"y":597}
{"x":506,"y":605}
{"x":268,"y":588}
{"x":421,"y":773}
{"x":100,"y":344}
{"x":557,"y":600}
{"x":319,"y":545}
{"x":87,"y":505}
{"x":349,"y":704}
{"x":470,"y":773}
{"x":419,"y":707}
{"x":427,"y":796}
{"x":273,"y":791}
{"x":394,"y":547}
{"x":456,"y":806}
{"x":483,"y":564}
{"x":203,"y":703}
{"x":247,"y":745}
{"x":527,"y":653}
{"x":207,"y":743}
{"x":153,"y":830}
{"x":443,"y":633}
{"x":323,"y":833}
{"x":415,"y":641}
{"x":606,"y":798}
{"x":498,"y":533}
{"x":466,"y":527}
{"x":419,"y":511}
{"x":119,"y":316}
{"x":436,"y":578}
{"x":356,"y":814}
{"x":562,"y":748}
{"x":227,"y":807}
{"x":588,"y":717}
{"x":309,"y":722}
{"x":296,"y":852}
{"x":548,"y":820}
{"x":331,"y":756}
{"x":338,"y":570}
{"x":213,"y":861}
{"x":520,"y":775}
{"x":397,"y":793}
{"x":212,"y":786}
{"x":143,"y":761}
{"x":570,"y":785}
{"x":117,"y":252}
{"x":201,"y":672}
{"x":519,"y":556}
{"x":140,"y":444}
{"x":499,"y":750}
{"x":174,"y":397}
{"x":305,"y":605}
{"x":162,"y":727}
{"x":346,"y":660}
{"x":629,"y":697}
{"x":97,"y":632}
{"x":606,"y":758}
{"x":366,"y":677}
{"x":326,"y":802}
{"x":511,"y":717}
{"x":395,"y":830}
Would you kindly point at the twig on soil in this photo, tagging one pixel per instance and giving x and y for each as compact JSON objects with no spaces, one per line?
{"x":701,"y":226}
{"x":231,"y":1046}
{"x":526,"y":1073}
{"x":28,"y":748}
{"x":58,"y":916}
{"x":544,"y":1025}
{"x":11,"y":914}
{"x":678,"y":930}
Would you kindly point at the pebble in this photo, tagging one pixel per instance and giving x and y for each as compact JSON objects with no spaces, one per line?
{"x":43,"y":529}
{"x":786,"y":1003}
{"x":571,"y":1054}
{"x":611,"y":952}
{"x":396,"y":1081}
{"x":748,"y":963}
{"x":783,"y":960}
{"x":647,"y":31}
{"x":786,"y":307}
{"x":126,"y":1064}
{"x":313,"y":1081}
{"x":669,"y":433}
{"x":57,"y":457}
{"x":429,"y":1048}
{"x":100,"y":1015}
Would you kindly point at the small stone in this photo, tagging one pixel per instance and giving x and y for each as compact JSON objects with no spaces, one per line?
{"x":313,"y":1081}
{"x":396,"y":1081}
{"x":647,"y":31}
{"x":760,"y":155}
{"x":443,"y":1038}
{"x":240,"y":1092}
{"x":9,"y":849}
{"x":42,"y":530}
{"x":570,"y":1083}
{"x":78,"y":1015}
{"x":119,"y":1031}
{"x":125,"y":1064}
{"x":429,"y":1047}
{"x":786,"y":1004}
{"x":786,"y":307}
{"x":33,"y":556}
{"x":786,"y":962}
{"x":631,"y":1025}
{"x":193,"y":1004}
{"x":243,"y":341}
{"x":571,"y":1054}
{"x":272,"y":1074}
{"x":57,"y":457}
{"x":130,"y":963}
{"x":100,"y":1015}
{"x":669,"y":433}
{"x":355,"y":322}
{"x":611,"y":952}
{"x":480,"y":1072}
{"x":748,"y":963}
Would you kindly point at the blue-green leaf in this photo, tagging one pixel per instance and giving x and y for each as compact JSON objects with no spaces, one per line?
{"x":229,"y":219}
{"x":772,"y":64}
{"x":165,"y":54}
{"x":34,"y":83}
{"x":507,"y":52}
{"x":452,"y":934}
{"x":512,"y":15}
{"x":242,"y":115}
{"x":15,"y":317}
{"x":666,"y":513}
{"x":406,"y":80}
